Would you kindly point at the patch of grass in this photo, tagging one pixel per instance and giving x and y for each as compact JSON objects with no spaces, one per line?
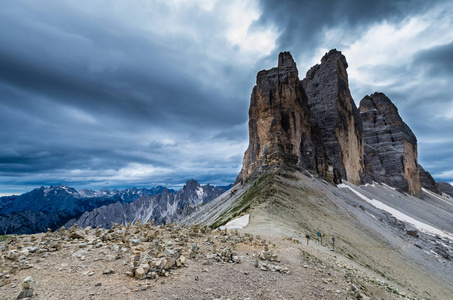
{"x":307,"y":257}
{"x":352,"y":256}
{"x":3,"y":238}
{"x":220,"y":222}
{"x":243,"y":203}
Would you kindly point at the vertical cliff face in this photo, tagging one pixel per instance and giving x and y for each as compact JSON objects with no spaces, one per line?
{"x":336,"y":124}
{"x":279,"y":129}
{"x":390,"y":145}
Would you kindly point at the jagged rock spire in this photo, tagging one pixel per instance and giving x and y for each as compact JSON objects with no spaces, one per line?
{"x":279,"y":129}
{"x":390,"y":145}
{"x":335,"y":119}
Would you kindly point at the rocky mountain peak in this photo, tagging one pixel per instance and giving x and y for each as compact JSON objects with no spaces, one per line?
{"x":311,"y":124}
{"x":390,"y":145}
{"x":381,"y":103}
{"x":164,"y":207}
{"x":285,"y":60}
{"x":279,"y":129}
{"x":286,"y":68}
{"x":315,"y":125}
{"x":335,"y":120}
{"x":191,"y":184}
{"x":334,"y":56}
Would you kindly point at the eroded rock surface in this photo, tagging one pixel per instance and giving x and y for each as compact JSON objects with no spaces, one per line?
{"x":336,"y":123}
{"x":390,"y":145}
{"x":279,"y":129}
{"x":315,"y":125}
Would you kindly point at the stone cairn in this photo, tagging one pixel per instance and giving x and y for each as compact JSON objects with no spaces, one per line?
{"x":266,"y":261}
{"x":27,"y":288}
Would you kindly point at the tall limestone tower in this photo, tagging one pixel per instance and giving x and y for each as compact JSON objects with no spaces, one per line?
{"x":335,"y":120}
{"x":390,"y":145}
{"x":279,"y":127}
{"x":318,"y":131}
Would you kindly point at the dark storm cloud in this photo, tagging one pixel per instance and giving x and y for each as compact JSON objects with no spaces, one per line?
{"x":77,"y":59}
{"x":439,"y":60}
{"x":142,"y":90}
{"x":303,"y":22}
{"x":80,"y":91}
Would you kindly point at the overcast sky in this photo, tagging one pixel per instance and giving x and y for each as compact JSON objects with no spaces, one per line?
{"x":144,"y":93}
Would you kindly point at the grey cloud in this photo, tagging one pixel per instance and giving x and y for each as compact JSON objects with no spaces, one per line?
{"x":141,"y":78}
{"x":438,"y":158}
{"x":236,"y":133}
{"x":57,"y":62}
{"x":303,"y":22}
{"x":439,"y":60}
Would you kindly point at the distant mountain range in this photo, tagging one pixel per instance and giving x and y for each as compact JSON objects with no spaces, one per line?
{"x":162,"y":207}
{"x":52,"y":207}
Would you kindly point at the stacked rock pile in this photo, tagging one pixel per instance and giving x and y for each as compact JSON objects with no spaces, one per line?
{"x":266,"y":261}
{"x":169,"y":247}
{"x":27,"y":288}
{"x":149,"y":251}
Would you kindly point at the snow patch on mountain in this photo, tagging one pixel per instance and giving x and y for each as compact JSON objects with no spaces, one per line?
{"x":200,"y":193}
{"x":436,"y":196}
{"x":237,"y":223}
{"x":428,"y":229}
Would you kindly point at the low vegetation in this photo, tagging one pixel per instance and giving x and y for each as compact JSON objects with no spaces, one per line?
{"x":244,"y":203}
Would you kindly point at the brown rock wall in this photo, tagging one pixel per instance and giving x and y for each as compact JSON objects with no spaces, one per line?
{"x":411,"y":173}
{"x":279,"y":129}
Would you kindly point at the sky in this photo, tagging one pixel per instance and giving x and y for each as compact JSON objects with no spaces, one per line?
{"x":142,"y":93}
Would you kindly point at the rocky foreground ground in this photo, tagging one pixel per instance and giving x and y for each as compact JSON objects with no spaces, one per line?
{"x":144,"y":261}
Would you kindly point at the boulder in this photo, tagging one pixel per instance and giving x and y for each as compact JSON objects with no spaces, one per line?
{"x":25,"y":294}
{"x":77,"y":234}
{"x":27,"y":288}
{"x":140,"y":273}
{"x":29,"y":283}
